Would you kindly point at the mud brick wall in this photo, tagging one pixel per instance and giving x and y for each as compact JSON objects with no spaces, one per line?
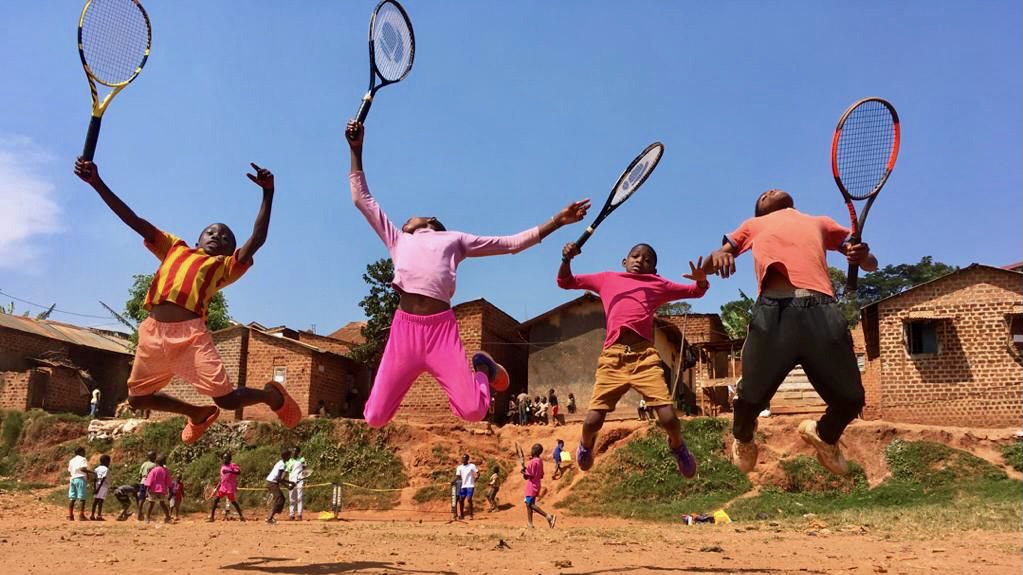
{"x":974,"y":378}
{"x":14,"y":389}
{"x":267,"y":352}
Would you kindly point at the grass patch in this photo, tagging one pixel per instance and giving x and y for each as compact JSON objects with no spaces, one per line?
{"x":1012,"y":454}
{"x":641,"y":479}
{"x":18,"y":485}
{"x":931,"y":484}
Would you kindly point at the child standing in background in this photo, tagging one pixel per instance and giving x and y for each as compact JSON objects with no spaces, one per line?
{"x":100,"y":488}
{"x":157,"y":485}
{"x":533,"y":474}
{"x":78,"y":469}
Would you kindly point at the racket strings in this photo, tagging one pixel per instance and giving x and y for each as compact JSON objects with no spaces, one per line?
{"x":393,"y":47}
{"x":115,"y":38}
{"x":865,"y":147}
{"x":636,"y":175}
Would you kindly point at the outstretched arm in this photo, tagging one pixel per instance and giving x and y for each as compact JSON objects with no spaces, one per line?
{"x":478,"y":246}
{"x":567,"y":253}
{"x":361,"y":197}
{"x":721,"y":261}
{"x":89,"y":173}
{"x":571,"y":214}
{"x":265,"y":179}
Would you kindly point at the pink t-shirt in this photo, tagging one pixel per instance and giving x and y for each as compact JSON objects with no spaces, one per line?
{"x":534,"y":469}
{"x":229,"y":477}
{"x":631,"y":300}
{"x":425,"y":261}
{"x":793,"y":240}
{"x":157,"y":479}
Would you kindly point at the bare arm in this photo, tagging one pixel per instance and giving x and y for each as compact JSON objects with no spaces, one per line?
{"x":567,"y":253}
{"x":88,"y":172}
{"x":354,"y":134}
{"x":571,"y":214}
{"x":265,"y":179}
{"x":721,"y":261}
{"x":859,"y":254}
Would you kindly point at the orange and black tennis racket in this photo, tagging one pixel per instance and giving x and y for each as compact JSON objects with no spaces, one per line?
{"x":863,"y":153}
{"x":114,"y":38}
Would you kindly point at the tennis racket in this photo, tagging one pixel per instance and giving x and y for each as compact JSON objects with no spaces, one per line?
{"x":114,"y":37}
{"x":631,"y":179}
{"x":209,"y":491}
{"x":863,"y":153}
{"x":392,"y":48}
{"x":521,"y":456}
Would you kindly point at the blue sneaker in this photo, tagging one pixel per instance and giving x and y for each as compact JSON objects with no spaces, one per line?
{"x":685,"y":460}
{"x":584,"y":458}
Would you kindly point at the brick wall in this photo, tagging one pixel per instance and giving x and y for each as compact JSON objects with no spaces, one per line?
{"x":14,"y":389}
{"x":265,"y":354}
{"x":699,"y":327}
{"x":974,"y":379}
{"x":64,"y":391}
{"x":323,"y":342}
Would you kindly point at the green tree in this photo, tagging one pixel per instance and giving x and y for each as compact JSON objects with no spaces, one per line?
{"x":884,"y":282}
{"x":675,"y":308}
{"x":217,"y":316}
{"x":379,"y":306}
{"x":736,"y":314}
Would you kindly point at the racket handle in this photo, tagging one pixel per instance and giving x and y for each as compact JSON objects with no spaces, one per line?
{"x":367,"y":102}
{"x":582,"y":239}
{"x":852,"y":279}
{"x":91,"y":138}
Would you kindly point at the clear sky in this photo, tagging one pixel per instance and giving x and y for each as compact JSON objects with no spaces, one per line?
{"x":512,"y":110}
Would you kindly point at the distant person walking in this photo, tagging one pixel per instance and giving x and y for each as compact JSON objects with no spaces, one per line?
{"x":468,"y":473}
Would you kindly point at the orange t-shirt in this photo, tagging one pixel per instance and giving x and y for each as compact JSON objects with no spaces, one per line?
{"x":189,"y":277}
{"x":793,"y":240}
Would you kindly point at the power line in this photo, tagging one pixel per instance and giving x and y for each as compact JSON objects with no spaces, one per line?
{"x":55,"y":310}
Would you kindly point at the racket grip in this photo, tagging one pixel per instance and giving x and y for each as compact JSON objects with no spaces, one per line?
{"x":852,"y":279}
{"x":91,"y":138}
{"x":367,"y":102}
{"x":582,"y":239}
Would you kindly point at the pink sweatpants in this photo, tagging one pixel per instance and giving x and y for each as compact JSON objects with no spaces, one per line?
{"x":429,"y":343}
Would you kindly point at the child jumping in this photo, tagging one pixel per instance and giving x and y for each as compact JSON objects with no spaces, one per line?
{"x":227,"y":488}
{"x":424,"y":333}
{"x":174,"y":340}
{"x":629,"y":359}
{"x":533,"y":473}
{"x":100,"y":488}
{"x":78,"y":469}
{"x":795,"y":320}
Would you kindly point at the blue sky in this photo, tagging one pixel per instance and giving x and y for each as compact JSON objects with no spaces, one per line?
{"x":512,"y":110}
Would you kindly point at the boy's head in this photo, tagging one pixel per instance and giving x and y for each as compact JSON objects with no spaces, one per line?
{"x":161,"y":461}
{"x":295,"y":451}
{"x":772,"y":201}
{"x":80,"y":451}
{"x":227,"y":459}
{"x":285,"y":454}
{"x":151,"y":456}
{"x":536,"y":450}
{"x":217,"y":240}
{"x":104,"y":460}
{"x":465,"y":459}
{"x":561,"y":443}
{"x":642,"y":259}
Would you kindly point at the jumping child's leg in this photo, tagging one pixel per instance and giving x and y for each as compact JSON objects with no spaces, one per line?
{"x":402,"y":362}
{"x":468,"y":391}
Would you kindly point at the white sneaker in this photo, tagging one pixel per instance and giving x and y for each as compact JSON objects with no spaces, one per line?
{"x":829,"y":455}
{"x":744,"y":454}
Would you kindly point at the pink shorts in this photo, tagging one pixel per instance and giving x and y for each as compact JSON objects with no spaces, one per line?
{"x":184,"y":349}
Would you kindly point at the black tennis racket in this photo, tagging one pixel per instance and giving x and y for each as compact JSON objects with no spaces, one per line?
{"x":863,"y":153}
{"x":114,"y":38}
{"x":392,"y":48}
{"x":630,"y":181}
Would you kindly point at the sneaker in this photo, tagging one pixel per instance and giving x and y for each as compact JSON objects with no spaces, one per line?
{"x":744,"y":455}
{"x":685,"y":460}
{"x":551,"y":519}
{"x":496,"y":374}
{"x":584,"y":457}
{"x":829,"y":455}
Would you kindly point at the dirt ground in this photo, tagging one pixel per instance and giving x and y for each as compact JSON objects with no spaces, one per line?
{"x":34,"y":538}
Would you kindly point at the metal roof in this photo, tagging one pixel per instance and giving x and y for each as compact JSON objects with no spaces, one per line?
{"x":72,"y":334}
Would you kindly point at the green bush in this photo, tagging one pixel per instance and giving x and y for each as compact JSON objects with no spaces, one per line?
{"x":933,"y":464}
{"x":1012,"y":454}
{"x":806,"y":475}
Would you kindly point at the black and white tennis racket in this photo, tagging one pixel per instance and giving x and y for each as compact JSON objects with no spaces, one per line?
{"x":630,"y":181}
{"x":863,"y":153}
{"x":114,"y":38}
{"x":392,"y":48}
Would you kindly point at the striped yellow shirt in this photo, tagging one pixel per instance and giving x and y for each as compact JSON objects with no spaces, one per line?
{"x":188,"y":276}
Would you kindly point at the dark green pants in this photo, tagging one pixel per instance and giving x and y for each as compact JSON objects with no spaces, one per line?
{"x":809,"y":331}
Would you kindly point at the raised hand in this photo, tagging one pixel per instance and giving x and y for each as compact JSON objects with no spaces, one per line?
{"x":696,"y":272}
{"x":264,"y":178}
{"x":573,"y":212}
{"x":354,"y":133}
{"x":87,"y":171}
{"x":569,"y":251}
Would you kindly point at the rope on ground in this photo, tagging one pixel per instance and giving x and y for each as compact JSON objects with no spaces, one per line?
{"x":345,"y":483}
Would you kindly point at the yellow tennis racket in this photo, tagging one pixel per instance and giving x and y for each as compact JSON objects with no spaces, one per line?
{"x":114,"y":37}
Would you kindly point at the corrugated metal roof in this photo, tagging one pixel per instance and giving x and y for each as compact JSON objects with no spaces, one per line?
{"x":72,"y":334}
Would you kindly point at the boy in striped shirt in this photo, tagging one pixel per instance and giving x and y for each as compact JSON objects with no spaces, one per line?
{"x":174,"y":340}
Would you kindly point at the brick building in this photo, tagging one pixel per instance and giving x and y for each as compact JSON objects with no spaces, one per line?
{"x":53,"y":366}
{"x":308,"y":365}
{"x":948,"y":351}
{"x":565,"y":342}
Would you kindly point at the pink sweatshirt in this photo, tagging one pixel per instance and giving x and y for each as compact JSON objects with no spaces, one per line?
{"x":425,"y":261}
{"x":631,"y":300}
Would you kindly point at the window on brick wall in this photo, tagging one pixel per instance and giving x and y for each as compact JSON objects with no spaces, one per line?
{"x":861,"y":361}
{"x":1016,"y":330}
{"x":922,"y":337}
{"x":280,"y":374}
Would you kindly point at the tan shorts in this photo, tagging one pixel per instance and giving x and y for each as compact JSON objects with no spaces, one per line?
{"x":184,"y":349}
{"x":621,"y":368}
